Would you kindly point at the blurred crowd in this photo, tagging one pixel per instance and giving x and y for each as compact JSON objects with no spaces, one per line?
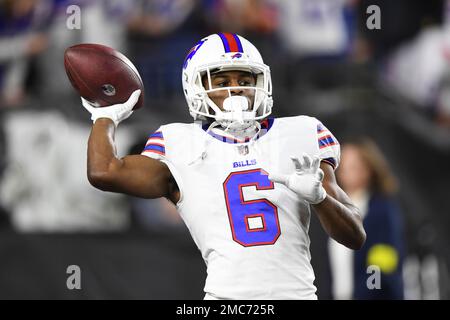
{"x":409,"y":53}
{"x":322,"y":55}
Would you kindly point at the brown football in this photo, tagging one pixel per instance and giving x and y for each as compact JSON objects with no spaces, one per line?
{"x":102,"y":75}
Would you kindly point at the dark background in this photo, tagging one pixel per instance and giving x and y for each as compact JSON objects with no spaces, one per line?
{"x":151,"y":257}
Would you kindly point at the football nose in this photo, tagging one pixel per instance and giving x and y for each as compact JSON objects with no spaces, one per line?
{"x":236,"y":91}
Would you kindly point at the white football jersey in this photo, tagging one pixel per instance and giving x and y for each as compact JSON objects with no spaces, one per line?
{"x":252,"y":233}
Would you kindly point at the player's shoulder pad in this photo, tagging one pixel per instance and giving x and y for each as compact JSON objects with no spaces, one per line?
{"x":176,"y":127}
{"x":301,"y":120}
{"x":176,"y":134}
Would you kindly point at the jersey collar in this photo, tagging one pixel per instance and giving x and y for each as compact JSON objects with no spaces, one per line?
{"x":227,"y":137}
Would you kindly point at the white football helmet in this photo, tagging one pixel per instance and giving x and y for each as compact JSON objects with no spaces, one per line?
{"x":226,"y":52}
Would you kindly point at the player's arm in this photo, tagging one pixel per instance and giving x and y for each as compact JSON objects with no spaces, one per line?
{"x":135,"y":175}
{"x":338,"y":216}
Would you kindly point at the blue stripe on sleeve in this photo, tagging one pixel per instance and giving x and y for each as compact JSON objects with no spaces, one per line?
{"x":156,"y":135}
{"x":155,"y":147}
{"x":326,"y":141}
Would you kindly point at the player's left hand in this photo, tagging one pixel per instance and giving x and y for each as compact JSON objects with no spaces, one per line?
{"x":306,"y":181}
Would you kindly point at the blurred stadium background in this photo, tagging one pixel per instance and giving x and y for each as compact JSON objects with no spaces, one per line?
{"x":391,"y":84}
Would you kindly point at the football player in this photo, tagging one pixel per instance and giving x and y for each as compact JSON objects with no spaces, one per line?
{"x":244,"y":183}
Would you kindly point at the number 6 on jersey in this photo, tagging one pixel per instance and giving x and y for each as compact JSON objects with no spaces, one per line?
{"x":253,"y":222}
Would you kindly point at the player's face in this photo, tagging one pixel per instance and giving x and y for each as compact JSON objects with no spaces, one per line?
{"x":231,"y":79}
{"x":353,"y":173}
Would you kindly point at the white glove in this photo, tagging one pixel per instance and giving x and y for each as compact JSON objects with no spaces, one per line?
{"x":116,"y":112}
{"x":306,"y":181}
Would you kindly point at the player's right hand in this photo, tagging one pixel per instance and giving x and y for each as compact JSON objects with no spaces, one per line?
{"x":306,"y":181}
{"x":116,"y":112}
